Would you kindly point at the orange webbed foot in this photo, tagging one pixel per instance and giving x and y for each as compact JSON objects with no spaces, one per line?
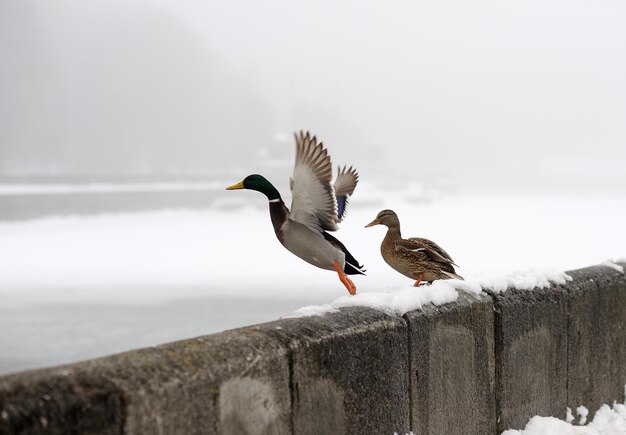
{"x":347,"y":282}
{"x":419,"y":280}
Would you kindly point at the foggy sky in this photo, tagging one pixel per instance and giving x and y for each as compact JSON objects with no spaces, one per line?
{"x":444,"y":89}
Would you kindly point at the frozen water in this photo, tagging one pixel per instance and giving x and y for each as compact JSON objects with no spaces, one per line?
{"x":74,"y":287}
{"x":235,"y":251}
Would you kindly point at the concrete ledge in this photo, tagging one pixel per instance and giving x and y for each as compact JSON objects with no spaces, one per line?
{"x":452,"y":367}
{"x":559,"y":347}
{"x":531,"y":355}
{"x":596,"y":353}
{"x":349,"y":371}
{"x":223,"y":383}
{"x":479,"y":365}
{"x":54,"y":402}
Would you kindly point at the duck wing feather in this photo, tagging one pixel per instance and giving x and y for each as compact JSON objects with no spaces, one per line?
{"x":429,"y":248}
{"x":345,"y":183}
{"x":314,"y":203}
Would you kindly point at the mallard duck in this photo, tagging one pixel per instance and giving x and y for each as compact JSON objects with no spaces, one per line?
{"x":316,"y":208}
{"x":417,"y":258}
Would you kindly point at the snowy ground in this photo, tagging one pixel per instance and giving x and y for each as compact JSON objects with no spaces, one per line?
{"x":83,"y":286}
{"x":608,"y":420}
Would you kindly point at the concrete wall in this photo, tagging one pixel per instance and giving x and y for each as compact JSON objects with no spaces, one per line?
{"x":480,"y":365}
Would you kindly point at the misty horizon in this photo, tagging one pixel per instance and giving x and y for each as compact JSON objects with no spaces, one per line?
{"x":446,"y":90}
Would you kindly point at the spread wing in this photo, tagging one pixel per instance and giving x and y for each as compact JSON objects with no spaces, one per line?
{"x":347,"y":179}
{"x":313,"y":203}
{"x":427,"y":247}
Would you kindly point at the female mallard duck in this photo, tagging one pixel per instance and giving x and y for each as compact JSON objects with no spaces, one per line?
{"x":317,"y":207}
{"x":419,"y":259}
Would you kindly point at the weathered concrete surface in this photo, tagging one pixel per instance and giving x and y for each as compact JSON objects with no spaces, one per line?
{"x":531,"y":355}
{"x":355,"y":371}
{"x":233,"y":382}
{"x":349,"y":372}
{"x":51,"y":402}
{"x":452,"y":367}
{"x":597,"y":338}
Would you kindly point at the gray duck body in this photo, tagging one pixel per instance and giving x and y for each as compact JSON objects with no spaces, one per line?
{"x":304,"y":242}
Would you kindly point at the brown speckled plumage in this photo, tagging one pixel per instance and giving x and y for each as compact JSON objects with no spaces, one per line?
{"x":414,"y":257}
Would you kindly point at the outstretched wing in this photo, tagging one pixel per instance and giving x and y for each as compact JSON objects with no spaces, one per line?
{"x":427,"y":247}
{"x":313,"y":203}
{"x":347,"y":179}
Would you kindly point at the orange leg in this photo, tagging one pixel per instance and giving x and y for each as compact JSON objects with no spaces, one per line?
{"x":419,"y":279}
{"x":344,"y":279}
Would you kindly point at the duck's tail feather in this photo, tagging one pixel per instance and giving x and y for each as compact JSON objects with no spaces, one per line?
{"x":452,"y":275}
{"x":352,"y":266}
{"x":351,"y":269}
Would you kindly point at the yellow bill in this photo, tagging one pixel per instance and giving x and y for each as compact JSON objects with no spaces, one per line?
{"x":236,"y":186}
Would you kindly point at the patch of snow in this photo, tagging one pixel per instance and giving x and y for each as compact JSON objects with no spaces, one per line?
{"x":393,"y":301}
{"x":548,"y":426}
{"x":607,"y":421}
{"x":610,"y":420}
{"x":404,"y":299}
{"x":526,"y":280}
{"x":582,"y":411}
{"x":314,"y":310}
{"x":612,"y":265}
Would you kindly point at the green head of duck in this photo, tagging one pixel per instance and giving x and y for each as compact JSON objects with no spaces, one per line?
{"x":259,"y":183}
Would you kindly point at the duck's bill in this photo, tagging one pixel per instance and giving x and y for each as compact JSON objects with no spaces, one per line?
{"x":372,"y":223}
{"x":236,"y":186}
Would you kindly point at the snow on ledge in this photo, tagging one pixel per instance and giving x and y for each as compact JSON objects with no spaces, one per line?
{"x":612,"y":265}
{"x":393,"y":301}
{"x":402,"y":300}
{"x":528,"y":280}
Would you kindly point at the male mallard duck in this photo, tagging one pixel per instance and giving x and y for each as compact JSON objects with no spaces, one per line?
{"x":317,"y":207}
{"x":417,"y":258}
